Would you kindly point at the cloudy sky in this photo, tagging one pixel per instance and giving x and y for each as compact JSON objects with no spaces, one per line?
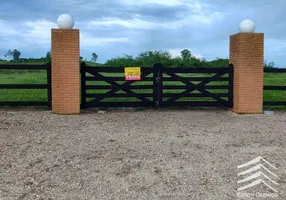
{"x":115,"y":27}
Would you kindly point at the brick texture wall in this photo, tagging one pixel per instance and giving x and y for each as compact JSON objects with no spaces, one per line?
{"x":247,"y":56}
{"x":65,"y":71}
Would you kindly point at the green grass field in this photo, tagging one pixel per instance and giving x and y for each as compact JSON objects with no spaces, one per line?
{"x":40,"y":77}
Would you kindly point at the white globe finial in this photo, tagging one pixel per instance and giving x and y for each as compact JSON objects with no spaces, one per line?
{"x":247,"y":26}
{"x":65,"y":21}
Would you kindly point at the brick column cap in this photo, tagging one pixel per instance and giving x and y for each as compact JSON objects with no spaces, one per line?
{"x":237,"y":34}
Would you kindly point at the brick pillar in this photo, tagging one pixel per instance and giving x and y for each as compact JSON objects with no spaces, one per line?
{"x":65,"y":71}
{"x":247,"y":56}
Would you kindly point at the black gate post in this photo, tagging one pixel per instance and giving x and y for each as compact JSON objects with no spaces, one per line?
{"x":83,"y":85}
{"x":157,"y":85}
{"x":230,"y":86}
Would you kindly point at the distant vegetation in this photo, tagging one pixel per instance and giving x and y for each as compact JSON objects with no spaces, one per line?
{"x":186,"y":59}
{"x":143,"y":59}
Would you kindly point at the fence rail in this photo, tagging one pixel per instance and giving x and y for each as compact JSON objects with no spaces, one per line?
{"x":46,"y":86}
{"x":281,"y":102}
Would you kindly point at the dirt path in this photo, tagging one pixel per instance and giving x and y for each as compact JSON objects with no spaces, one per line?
{"x":136,"y":155}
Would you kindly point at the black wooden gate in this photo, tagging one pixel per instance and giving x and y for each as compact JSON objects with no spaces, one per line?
{"x":158,"y":87}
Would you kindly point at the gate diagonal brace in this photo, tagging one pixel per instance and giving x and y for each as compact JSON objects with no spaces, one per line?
{"x":198,"y":87}
{"x":118,"y":87}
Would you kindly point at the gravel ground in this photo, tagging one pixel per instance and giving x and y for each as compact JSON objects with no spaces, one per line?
{"x":149,"y":154}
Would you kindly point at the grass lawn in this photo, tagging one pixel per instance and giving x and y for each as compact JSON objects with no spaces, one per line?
{"x":40,"y":77}
{"x":274,"y":79}
{"x":23,"y":77}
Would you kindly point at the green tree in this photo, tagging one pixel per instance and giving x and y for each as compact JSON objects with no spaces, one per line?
{"x":48,"y":54}
{"x":94,"y":57}
{"x":9,"y":54}
{"x":186,"y":54}
{"x":269,"y":64}
{"x":15,"y":54}
{"x":218,"y":62}
{"x":123,"y":61}
{"x":177,"y":62}
{"x":148,"y":58}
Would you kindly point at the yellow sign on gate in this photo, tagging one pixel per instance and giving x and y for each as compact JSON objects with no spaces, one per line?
{"x":132,"y":73}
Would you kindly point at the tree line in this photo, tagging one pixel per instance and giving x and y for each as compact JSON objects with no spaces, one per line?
{"x":186,"y":59}
{"x":14,"y":57}
{"x":148,"y":58}
{"x":143,"y":59}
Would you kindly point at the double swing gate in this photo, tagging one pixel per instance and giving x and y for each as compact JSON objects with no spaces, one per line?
{"x":159,"y":87}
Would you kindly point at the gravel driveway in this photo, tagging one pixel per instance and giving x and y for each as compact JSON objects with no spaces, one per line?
{"x":149,"y":154}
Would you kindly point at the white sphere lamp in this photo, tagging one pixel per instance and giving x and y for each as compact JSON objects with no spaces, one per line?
{"x":247,"y":26}
{"x":65,"y":21}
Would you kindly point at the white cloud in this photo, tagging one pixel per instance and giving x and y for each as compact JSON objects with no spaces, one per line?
{"x":7,"y":30}
{"x":275,"y":49}
{"x":38,"y":32}
{"x":132,"y":24}
{"x":202,"y":13}
{"x":208,"y":19}
{"x":278,"y":46}
{"x":162,"y":2}
{"x":87,"y":40}
{"x":175,"y":52}
{"x":29,"y":34}
{"x":137,"y":23}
